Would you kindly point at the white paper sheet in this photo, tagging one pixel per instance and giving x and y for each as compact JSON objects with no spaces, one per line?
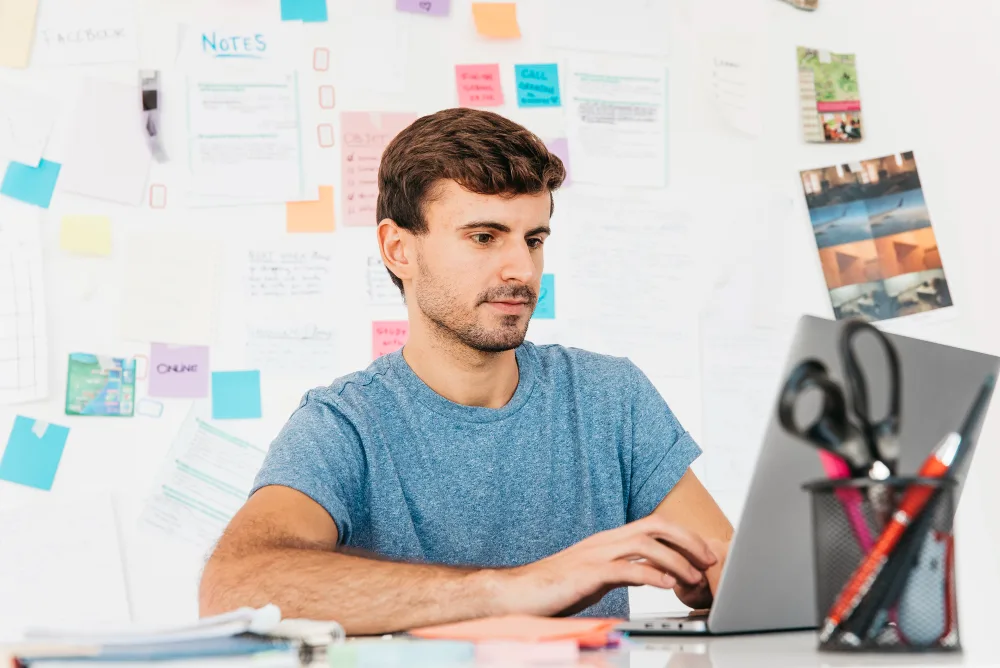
{"x":70,"y":32}
{"x":204,"y":480}
{"x":381,"y":290}
{"x":734,"y":80}
{"x":595,"y":25}
{"x":289,"y":306}
{"x":108,"y":156}
{"x":24,"y":347}
{"x":26,"y":120}
{"x":244,"y":115}
{"x":617,"y":121}
{"x":169,"y":288}
{"x":631,"y":288}
{"x":61,"y":564}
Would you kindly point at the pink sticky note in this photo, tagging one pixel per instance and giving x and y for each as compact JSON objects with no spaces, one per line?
{"x":388,"y":336}
{"x":561,"y":148}
{"x":178,"y":371}
{"x":365,"y":135}
{"x":478,"y":85}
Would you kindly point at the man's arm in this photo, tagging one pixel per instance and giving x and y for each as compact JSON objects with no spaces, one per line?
{"x":280,"y":549}
{"x":690,"y":505}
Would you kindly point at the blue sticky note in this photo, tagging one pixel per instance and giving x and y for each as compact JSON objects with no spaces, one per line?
{"x":33,"y":453}
{"x":537,"y":85}
{"x":310,"y":11}
{"x":546,"y":306}
{"x":235,"y":395}
{"x":33,"y":185}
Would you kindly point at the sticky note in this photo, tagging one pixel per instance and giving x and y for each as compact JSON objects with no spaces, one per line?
{"x":388,"y":336}
{"x":545,"y":309}
{"x":561,"y":148}
{"x":321,"y":59}
{"x":478,"y":85}
{"x":33,"y":185}
{"x":310,"y":11}
{"x":149,"y":407}
{"x":178,"y":371}
{"x":326,"y":97}
{"x":235,"y":395}
{"x":324,"y":135}
{"x":86,"y":235}
{"x":430,"y":7}
{"x":537,"y":85}
{"x":33,"y":452}
{"x":311,"y":216}
{"x":17,"y":31}
{"x":496,"y":19}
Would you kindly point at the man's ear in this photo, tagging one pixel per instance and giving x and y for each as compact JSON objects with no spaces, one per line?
{"x":396,"y":246}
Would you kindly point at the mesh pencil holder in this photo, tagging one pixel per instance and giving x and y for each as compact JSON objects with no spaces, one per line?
{"x":916,"y":608}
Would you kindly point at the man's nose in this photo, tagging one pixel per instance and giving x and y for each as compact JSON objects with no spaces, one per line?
{"x":518,"y":264}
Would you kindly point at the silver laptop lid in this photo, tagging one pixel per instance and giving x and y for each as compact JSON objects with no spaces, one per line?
{"x":768,"y":580}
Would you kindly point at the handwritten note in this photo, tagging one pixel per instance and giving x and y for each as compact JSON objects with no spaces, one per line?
{"x":561,"y":148}
{"x":388,"y":336}
{"x":33,"y":185}
{"x":311,"y":216}
{"x":381,"y":290}
{"x":497,"y":20}
{"x":545,"y":309}
{"x":235,"y":395}
{"x":16,"y":31}
{"x":178,"y":371}
{"x":537,"y":85}
{"x":289,"y":318}
{"x":33,"y":452}
{"x":365,"y":136}
{"x":85,"y":235}
{"x":85,"y":33}
{"x":430,"y":7}
{"x":478,"y":85}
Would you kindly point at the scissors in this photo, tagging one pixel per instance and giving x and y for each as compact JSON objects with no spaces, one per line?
{"x":869,"y":447}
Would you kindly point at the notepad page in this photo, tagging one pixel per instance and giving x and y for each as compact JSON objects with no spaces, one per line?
{"x":23,"y":334}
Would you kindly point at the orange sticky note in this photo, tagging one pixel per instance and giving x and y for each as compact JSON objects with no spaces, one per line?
{"x":388,"y":336}
{"x":496,"y":19}
{"x":311,"y":216}
{"x":587,"y":632}
{"x":478,"y":85}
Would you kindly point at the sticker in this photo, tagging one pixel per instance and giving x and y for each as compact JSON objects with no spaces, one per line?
{"x":157,"y":196}
{"x":324,"y":131}
{"x":326,"y":97}
{"x":149,"y":407}
{"x":321,"y":59}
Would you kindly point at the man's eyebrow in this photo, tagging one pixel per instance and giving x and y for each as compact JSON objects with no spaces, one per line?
{"x":500,"y":227}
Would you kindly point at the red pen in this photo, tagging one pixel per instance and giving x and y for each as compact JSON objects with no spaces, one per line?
{"x":914,"y":500}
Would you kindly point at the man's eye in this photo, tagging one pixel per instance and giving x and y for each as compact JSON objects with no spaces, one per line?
{"x":535,"y":242}
{"x":482,"y":238}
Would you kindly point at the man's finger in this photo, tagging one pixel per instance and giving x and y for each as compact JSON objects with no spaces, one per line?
{"x":636,"y":574}
{"x":691,"y":545}
{"x":659,"y":556}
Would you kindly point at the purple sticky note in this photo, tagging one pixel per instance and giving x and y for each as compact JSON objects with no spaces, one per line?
{"x":178,"y":371}
{"x":561,"y":148}
{"x":432,"y":7}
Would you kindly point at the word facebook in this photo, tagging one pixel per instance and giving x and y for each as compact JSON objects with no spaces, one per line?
{"x":83,"y":36}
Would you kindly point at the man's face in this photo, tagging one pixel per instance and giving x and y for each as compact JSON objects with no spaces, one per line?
{"x":479,"y":265}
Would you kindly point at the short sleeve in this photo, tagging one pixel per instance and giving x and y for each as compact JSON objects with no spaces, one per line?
{"x":318,"y":452}
{"x":661,"y":449}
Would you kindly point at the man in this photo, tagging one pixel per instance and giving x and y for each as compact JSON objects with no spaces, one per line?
{"x":471,"y":473}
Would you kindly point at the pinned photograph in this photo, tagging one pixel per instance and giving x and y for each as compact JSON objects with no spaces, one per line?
{"x":829,"y":97}
{"x":873,"y":232}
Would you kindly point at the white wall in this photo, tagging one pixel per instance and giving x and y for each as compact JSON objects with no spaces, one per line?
{"x":927,"y":72}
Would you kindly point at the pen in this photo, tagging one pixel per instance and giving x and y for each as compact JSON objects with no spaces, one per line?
{"x":951,"y":451}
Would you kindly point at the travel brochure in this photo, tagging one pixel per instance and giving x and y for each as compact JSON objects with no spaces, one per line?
{"x":828,"y":92}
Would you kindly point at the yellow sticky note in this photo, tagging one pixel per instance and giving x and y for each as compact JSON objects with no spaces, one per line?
{"x":311,"y":216}
{"x":496,"y":19}
{"x":86,"y":235}
{"x":17,"y":29}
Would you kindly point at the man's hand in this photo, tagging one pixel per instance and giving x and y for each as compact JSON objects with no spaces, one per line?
{"x":702,"y":595}
{"x":650,"y":551}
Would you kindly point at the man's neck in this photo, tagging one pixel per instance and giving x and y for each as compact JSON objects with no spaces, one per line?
{"x":461,"y":374}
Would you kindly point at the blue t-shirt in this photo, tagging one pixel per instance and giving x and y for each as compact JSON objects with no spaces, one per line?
{"x":585,"y":444}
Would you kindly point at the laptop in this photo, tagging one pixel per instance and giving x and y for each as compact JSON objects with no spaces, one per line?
{"x":767,"y":583}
